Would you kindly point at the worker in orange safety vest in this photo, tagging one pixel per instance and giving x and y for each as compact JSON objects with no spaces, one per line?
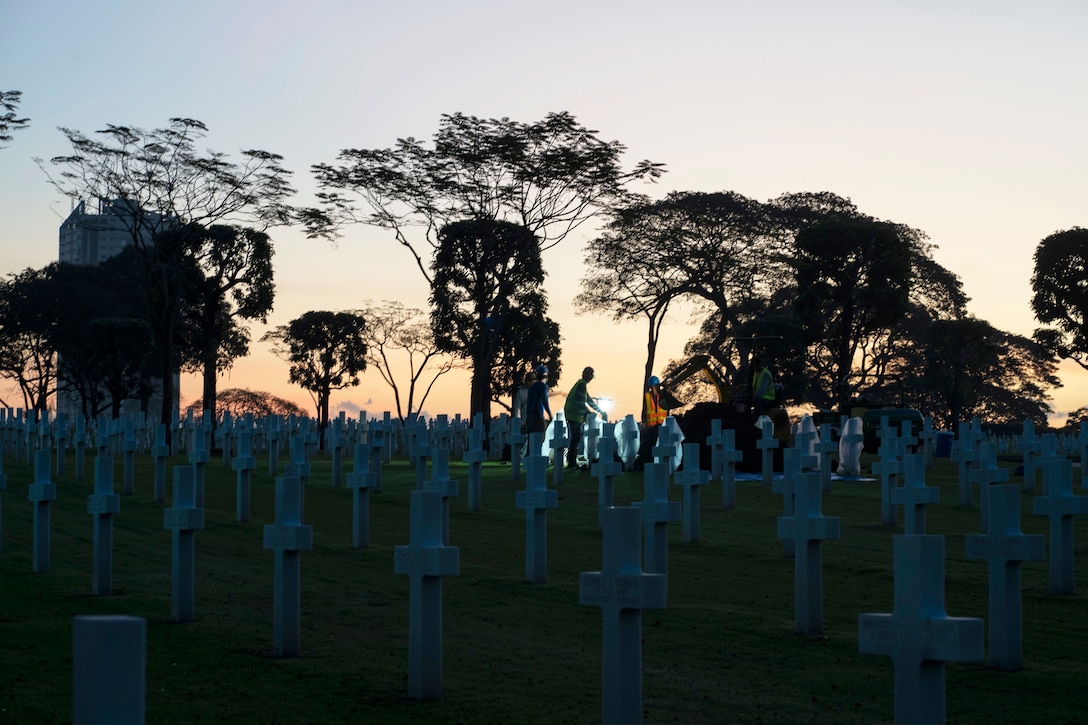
{"x":653,"y":415}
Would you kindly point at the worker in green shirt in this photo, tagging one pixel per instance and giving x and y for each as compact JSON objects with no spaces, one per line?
{"x":762,"y":387}
{"x":578,"y":405}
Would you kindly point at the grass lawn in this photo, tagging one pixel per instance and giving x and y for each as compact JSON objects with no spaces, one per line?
{"x":723,"y":650}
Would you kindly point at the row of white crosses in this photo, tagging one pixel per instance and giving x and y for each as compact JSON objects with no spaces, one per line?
{"x":904,"y":634}
{"x":622,"y":589}
{"x":919,"y":635}
{"x":978,"y":464}
{"x":428,"y":558}
{"x":22,"y":432}
{"x":920,"y":651}
{"x":287,"y":537}
{"x":109,"y":652}
{"x":806,"y":526}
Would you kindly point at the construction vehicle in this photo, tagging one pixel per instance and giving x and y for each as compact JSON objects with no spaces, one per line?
{"x":732,"y":407}
{"x":693,"y":366}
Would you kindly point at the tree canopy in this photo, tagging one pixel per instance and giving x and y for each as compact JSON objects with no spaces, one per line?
{"x":718,"y":250}
{"x":326,"y":351}
{"x":487,"y":302}
{"x":112,"y":355}
{"x":853,"y":278}
{"x":549,"y":177}
{"x":975,"y":370}
{"x":1060,"y":294}
{"x":9,"y":119}
{"x":840,"y":293}
{"x":394,"y":333}
{"x":159,"y":179}
{"x":30,"y":311}
{"x":243,"y":401}
{"x":234,"y":281}
{"x":157,"y":184}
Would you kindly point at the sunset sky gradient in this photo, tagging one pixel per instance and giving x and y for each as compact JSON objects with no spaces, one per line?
{"x":965,"y":119}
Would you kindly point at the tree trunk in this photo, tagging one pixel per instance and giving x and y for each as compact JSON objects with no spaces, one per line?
{"x":652,"y":335}
{"x":210,"y":388}
{"x":843,"y":355}
{"x":322,"y":417}
{"x":167,"y":372}
{"x":480,"y":392}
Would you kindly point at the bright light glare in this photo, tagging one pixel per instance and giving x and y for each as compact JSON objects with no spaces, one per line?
{"x":604,"y":404}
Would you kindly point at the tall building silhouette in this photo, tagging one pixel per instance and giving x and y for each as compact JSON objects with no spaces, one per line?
{"x":92,"y":233}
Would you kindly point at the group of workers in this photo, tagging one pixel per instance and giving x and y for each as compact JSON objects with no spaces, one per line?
{"x":579,"y":404}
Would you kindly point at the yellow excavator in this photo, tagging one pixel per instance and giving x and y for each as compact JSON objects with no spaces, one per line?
{"x":741,"y":409}
{"x":694,"y":366}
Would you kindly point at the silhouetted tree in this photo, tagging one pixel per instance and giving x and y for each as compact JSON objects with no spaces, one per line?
{"x":157,"y":182}
{"x":550,"y":177}
{"x":29,"y":315}
{"x":233,"y":282}
{"x":258,"y":403}
{"x":9,"y":121}
{"x":326,"y":352}
{"x":530,"y":338}
{"x":853,"y":278}
{"x":717,"y":250}
{"x":117,"y":348}
{"x":486,"y":287}
{"x":396,"y":333}
{"x":102,"y":336}
{"x":1073,"y":420}
{"x":975,"y":370}
{"x":1060,"y":294}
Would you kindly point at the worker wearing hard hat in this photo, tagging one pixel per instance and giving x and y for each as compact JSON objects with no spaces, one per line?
{"x":653,"y":415}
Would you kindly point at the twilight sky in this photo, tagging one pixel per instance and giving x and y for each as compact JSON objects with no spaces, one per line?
{"x":963,"y":118}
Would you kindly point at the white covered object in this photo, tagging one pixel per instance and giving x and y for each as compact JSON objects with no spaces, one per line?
{"x":557,"y":424}
{"x":851,"y":443}
{"x":627,"y":441}
{"x":671,"y":429}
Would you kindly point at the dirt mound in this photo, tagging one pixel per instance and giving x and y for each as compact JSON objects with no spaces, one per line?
{"x":696,"y":425}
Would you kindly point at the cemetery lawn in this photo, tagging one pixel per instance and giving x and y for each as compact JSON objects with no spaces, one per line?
{"x":723,"y":650}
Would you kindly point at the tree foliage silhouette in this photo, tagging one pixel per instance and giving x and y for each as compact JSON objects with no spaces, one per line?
{"x":487,"y":303}
{"x":157,"y":182}
{"x":1060,"y":294}
{"x":326,"y":351}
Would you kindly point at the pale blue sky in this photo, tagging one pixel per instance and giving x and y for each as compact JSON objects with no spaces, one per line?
{"x":966,"y":119}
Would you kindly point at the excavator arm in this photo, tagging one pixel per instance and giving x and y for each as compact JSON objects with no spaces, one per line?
{"x":693,"y":366}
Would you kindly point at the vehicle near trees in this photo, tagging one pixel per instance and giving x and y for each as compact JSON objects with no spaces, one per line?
{"x":872,"y":405}
{"x":733,"y":406}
